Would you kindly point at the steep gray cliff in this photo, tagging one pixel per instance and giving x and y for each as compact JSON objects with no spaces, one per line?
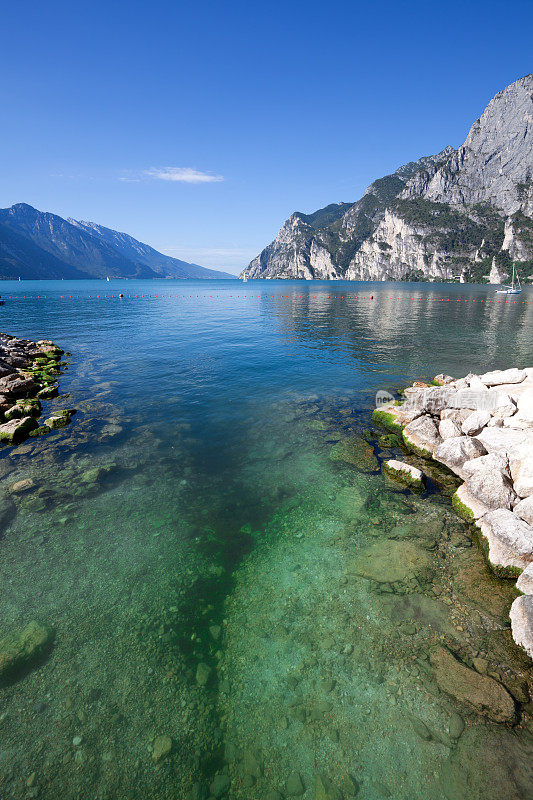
{"x":461,"y":214}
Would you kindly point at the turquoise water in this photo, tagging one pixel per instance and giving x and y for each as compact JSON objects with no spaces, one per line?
{"x":196,"y":546}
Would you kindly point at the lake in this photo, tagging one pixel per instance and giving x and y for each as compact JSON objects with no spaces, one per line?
{"x":241,"y":609}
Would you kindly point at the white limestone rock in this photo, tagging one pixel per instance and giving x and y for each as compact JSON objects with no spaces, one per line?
{"x":467,"y":505}
{"x":457,"y":415}
{"x":522,"y":475}
{"x":443,"y":379}
{"x":448,"y":428}
{"x":477,"y":384}
{"x":497,"y":462}
{"x":422,"y":435}
{"x":455,"y":451}
{"x":499,"y":376}
{"x":524,"y":583}
{"x":521,"y":615}
{"x":516,"y":423}
{"x":506,"y":440}
{"x":509,"y":539}
{"x":525,"y":406}
{"x":524,"y":509}
{"x":492,"y":488}
{"x":475,"y":423}
{"x":502,"y":405}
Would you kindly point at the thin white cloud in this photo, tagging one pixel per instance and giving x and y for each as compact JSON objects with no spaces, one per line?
{"x":182,"y":175}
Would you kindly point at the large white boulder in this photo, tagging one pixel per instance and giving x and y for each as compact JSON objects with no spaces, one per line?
{"x":524,"y":583}
{"x":475,"y":423}
{"x":467,"y":505}
{"x":522,"y":475}
{"x":509,"y":539}
{"x":522,"y":622}
{"x":455,"y":451}
{"x":506,"y":440}
{"x":525,"y":406}
{"x":477,"y":384}
{"x":524,"y":509}
{"x":422,"y":435}
{"x":492,"y":488}
{"x":499,"y":376}
{"x":492,"y":461}
{"x":501,"y":405}
{"x":448,"y":428}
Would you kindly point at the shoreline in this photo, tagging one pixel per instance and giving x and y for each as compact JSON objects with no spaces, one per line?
{"x":29,"y":373}
{"x":478,"y":429}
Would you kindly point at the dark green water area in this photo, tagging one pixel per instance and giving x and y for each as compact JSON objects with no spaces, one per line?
{"x":241,"y":605}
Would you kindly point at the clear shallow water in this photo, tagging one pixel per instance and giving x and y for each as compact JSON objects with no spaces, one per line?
{"x":217,"y":530}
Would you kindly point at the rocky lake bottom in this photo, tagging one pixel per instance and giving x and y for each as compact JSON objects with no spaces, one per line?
{"x":242,"y":605}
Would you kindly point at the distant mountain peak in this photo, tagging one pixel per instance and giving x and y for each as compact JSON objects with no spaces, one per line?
{"x":39,"y":244}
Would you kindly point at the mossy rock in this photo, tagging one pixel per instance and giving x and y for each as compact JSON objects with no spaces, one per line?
{"x":419,"y":451}
{"x":48,"y":392}
{"x":405,"y":477}
{"x":317,"y":425}
{"x":24,"y":408}
{"x":387,"y":420}
{"x":356,"y":452}
{"x":59,"y":419}
{"x":18,"y":653}
{"x":40,"y":431}
{"x":16,"y":430}
{"x":389,"y":441}
{"x":462,"y":510}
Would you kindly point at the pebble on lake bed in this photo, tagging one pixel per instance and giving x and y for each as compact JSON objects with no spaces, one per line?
{"x":161,"y":747}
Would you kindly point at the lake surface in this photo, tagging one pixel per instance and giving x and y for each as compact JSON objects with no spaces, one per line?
{"x":196,"y":544}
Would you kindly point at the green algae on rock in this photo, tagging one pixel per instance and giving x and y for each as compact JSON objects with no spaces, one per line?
{"x":18,"y":653}
{"x":29,"y":373}
{"x":405,"y":473}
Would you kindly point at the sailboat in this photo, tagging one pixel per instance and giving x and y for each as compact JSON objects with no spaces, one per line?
{"x":514,"y":288}
{"x":107,"y":279}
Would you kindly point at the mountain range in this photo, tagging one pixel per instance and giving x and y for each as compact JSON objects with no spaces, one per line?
{"x":462,"y":214}
{"x":40,"y":245}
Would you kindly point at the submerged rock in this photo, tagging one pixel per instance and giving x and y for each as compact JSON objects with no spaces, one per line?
{"x":161,"y":747}
{"x":389,"y":561}
{"x":355,"y":451}
{"x":203,"y":673}
{"x":405,"y":473}
{"x":294,"y":785}
{"x":219,"y":785}
{"x":482,"y":693}
{"x":20,"y":652}
{"x":325,"y":789}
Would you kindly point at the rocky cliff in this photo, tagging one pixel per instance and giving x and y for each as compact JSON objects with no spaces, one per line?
{"x":459,"y":215}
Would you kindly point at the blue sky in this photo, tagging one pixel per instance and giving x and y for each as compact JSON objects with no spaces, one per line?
{"x":199,"y":127}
